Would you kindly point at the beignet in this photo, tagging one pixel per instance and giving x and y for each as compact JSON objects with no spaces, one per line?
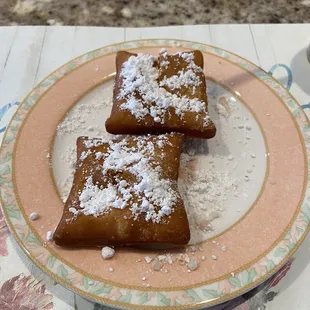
{"x":125,"y":192}
{"x":160,"y":94}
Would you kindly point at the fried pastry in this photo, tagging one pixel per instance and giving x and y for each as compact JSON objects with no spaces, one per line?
{"x":160,"y":94}
{"x":125,"y":192}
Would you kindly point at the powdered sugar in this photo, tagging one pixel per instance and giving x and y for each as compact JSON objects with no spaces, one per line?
{"x":204,"y":192}
{"x":34,"y":216}
{"x":95,"y":201}
{"x":49,"y":235}
{"x":140,"y":75}
{"x":154,"y":195}
{"x":163,"y":262}
{"x":77,"y":121}
{"x":193,"y":264}
{"x":226,"y":106}
{"x":189,"y":58}
{"x":84,"y":155}
{"x":148,"y":259}
{"x":107,"y":252}
{"x":95,"y":142}
{"x":184,"y":78}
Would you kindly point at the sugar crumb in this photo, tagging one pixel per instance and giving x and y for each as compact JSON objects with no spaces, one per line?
{"x":192,"y":264}
{"x":107,"y":252}
{"x":34,"y":216}
{"x":224,"y":248}
{"x":156,"y":265}
{"x":49,"y":235}
{"x":192,"y":248}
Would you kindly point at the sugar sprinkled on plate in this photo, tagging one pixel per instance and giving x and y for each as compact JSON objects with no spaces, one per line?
{"x":77,"y":121}
{"x":192,"y":248}
{"x":204,"y":192}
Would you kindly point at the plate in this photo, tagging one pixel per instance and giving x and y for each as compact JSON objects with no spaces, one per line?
{"x":246,"y":191}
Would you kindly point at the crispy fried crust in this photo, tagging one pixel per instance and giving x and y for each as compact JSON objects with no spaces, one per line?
{"x":123,"y":122}
{"x":117,"y":227}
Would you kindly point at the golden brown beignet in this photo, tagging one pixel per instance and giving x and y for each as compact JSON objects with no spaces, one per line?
{"x":158,"y":95}
{"x":141,"y":169}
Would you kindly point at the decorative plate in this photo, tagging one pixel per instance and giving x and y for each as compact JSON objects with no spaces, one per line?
{"x":255,"y":170}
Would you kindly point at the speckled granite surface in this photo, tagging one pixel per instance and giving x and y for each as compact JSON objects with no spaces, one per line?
{"x":139,"y":13}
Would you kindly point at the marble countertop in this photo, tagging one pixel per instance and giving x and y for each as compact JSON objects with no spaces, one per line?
{"x":139,"y":13}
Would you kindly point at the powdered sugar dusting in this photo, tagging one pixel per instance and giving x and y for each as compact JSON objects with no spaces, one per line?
{"x":204,"y":192}
{"x":77,"y":121}
{"x":152,"y":194}
{"x":140,"y":75}
{"x":184,"y":78}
